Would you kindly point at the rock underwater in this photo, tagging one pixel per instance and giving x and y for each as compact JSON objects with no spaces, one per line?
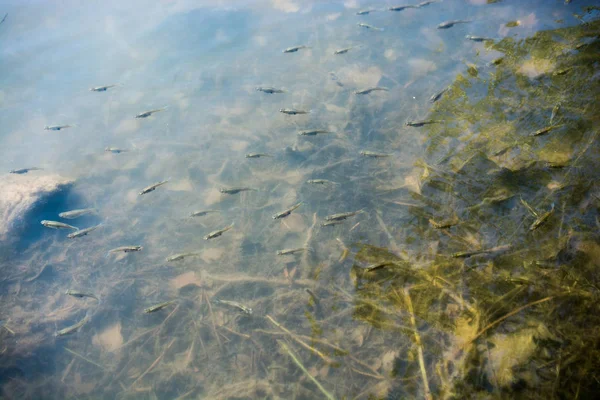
{"x":19,"y":194}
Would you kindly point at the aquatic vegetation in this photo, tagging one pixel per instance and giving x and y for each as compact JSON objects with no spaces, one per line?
{"x":471,"y":273}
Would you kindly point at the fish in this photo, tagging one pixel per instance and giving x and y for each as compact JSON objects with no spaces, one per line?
{"x":401,"y":8}
{"x":450,"y":24}
{"x":179,"y":257}
{"x":57,"y":225}
{"x":555,"y":110}
{"x":367,"y":26}
{"x":217,"y":233}
{"x":115,"y":150}
{"x":442,"y":225}
{"x":284,"y":252}
{"x":436,"y":96}
{"x":376,"y":266}
{"x":269,"y":90}
{"x":321,"y":182}
{"x":146,"y":114}
{"x":372,"y":89}
{"x":82,"y":232}
{"x":466,"y":254}
{"x":342,"y":216}
{"x":426,"y":3}
{"x":545,"y":130}
{"x":562,"y":71}
{"x":344,"y":50}
{"x":418,"y":124}
{"x":257,"y":155}
{"x":292,"y":111}
{"x":202,"y":213}
{"x":477,"y":38}
{"x":295,"y":49}
{"x":75,"y":293}
{"x":313,"y":132}
{"x":159,"y":306}
{"x":236,"y":190}
{"x":56,"y":127}
{"x":101,"y":88}
{"x":365,"y":12}
{"x":235,"y":304}
{"x":332,"y":223}
{"x":77,"y":213}
{"x":73,"y":328}
{"x":496,"y":61}
{"x":372,"y":154}
{"x":153,"y":187}
{"x":287,"y":212}
{"x":4,"y":18}
{"x":542,"y":219}
{"x":126,"y":249}
{"x":24,"y":170}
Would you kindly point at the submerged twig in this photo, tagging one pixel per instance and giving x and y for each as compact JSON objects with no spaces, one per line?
{"x":312,"y":378}
{"x":85,"y":359}
{"x":153,"y":364}
{"x":301,"y":342}
{"x":419,"y":345}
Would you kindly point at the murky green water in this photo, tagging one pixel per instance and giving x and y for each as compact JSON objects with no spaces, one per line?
{"x":469,"y":272}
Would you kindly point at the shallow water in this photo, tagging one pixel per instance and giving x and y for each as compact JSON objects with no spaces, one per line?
{"x":203,"y":61}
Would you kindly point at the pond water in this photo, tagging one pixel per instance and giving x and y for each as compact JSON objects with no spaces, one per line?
{"x":463,"y":157}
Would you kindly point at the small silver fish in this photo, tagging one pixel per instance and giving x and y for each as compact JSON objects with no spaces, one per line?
{"x":417,"y":124}
{"x":179,"y":257}
{"x":153,"y":187}
{"x":101,"y":88}
{"x":235,"y":304}
{"x":236,"y":190}
{"x":146,"y":114}
{"x":73,"y":328}
{"x":367,"y":26}
{"x":450,"y":24}
{"x":401,"y":8}
{"x":291,"y":251}
{"x":257,"y":155}
{"x":435,"y":97}
{"x":477,"y":38}
{"x":126,"y":249}
{"x":344,"y":51}
{"x":342,"y":216}
{"x":269,"y":90}
{"x":545,"y":130}
{"x":202,"y":213}
{"x":287,"y":212}
{"x":542,"y":219}
{"x":77,"y":213}
{"x":24,"y":170}
{"x":372,"y":89}
{"x":217,"y":233}
{"x":157,"y":307}
{"x":313,"y":132}
{"x":115,"y":150}
{"x":332,"y":223}
{"x":57,"y":225}
{"x":365,"y":12}
{"x":82,"y":232}
{"x":321,"y":182}
{"x":372,"y":154}
{"x":295,"y":49}
{"x":56,"y":127}
{"x":292,"y":111}
{"x":426,"y":3}
{"x":75,"y":293}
